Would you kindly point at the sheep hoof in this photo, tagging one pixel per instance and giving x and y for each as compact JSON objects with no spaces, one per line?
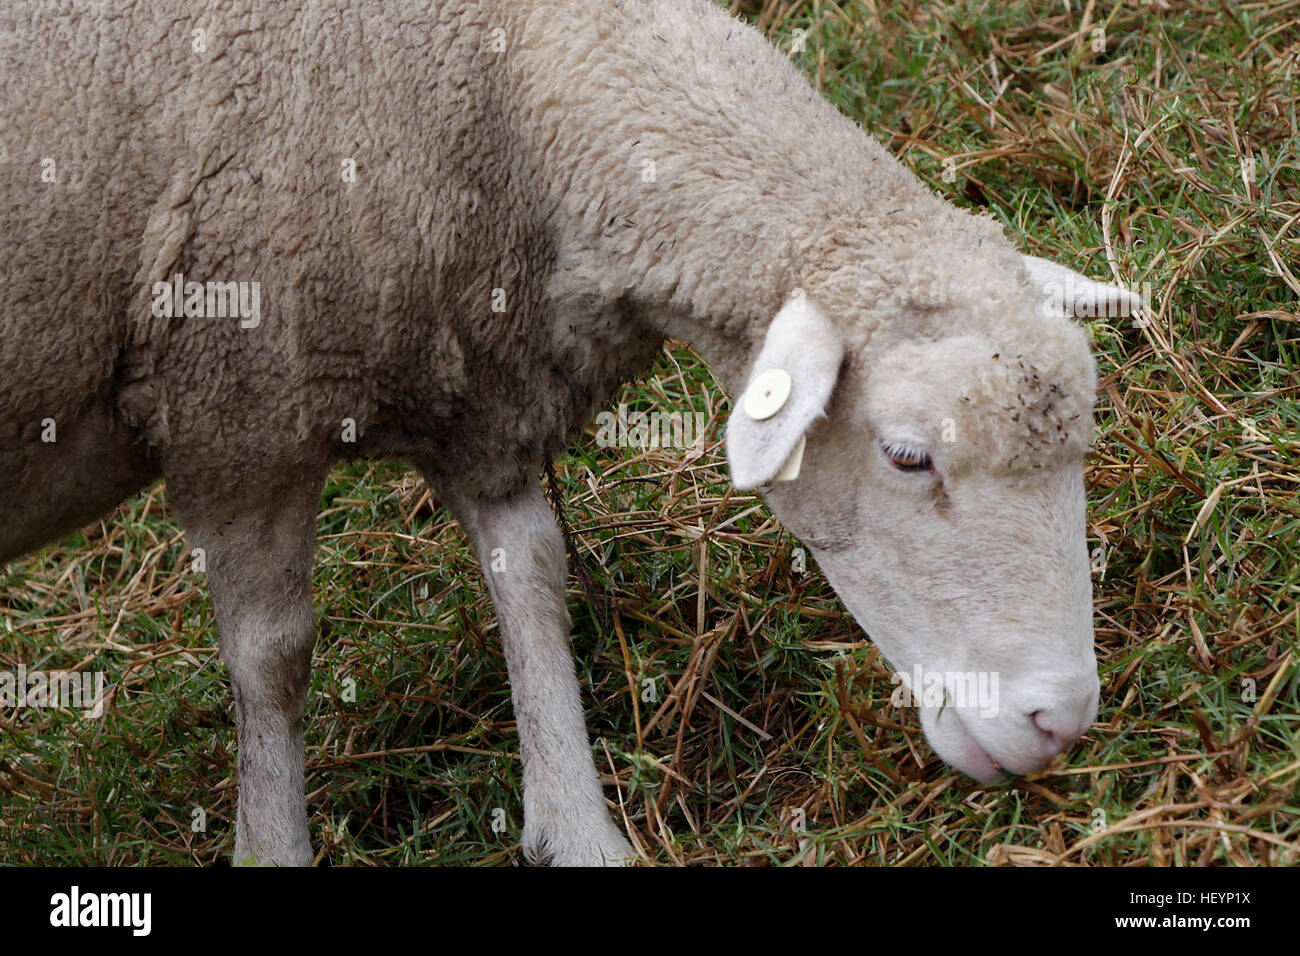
{"x":298,"y":855}
{"x":602,"y":845}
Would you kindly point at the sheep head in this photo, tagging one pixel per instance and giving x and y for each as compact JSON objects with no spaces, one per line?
{"x":938,"y":480}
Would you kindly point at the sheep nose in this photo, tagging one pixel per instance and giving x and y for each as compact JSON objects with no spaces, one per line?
{"x":1061,"y":726}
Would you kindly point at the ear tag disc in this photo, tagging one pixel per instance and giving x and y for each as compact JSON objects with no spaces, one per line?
{"x":767,"y":394}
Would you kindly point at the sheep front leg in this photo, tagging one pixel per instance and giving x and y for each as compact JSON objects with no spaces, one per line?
{"x":258,"y":557}
{"x":521,"y":553}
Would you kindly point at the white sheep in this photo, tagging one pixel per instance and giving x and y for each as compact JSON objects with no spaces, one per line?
{"x":464,"y":224}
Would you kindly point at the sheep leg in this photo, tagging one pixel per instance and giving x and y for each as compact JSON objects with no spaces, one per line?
{"x":259,"y":553}
{"x":521,"y":553}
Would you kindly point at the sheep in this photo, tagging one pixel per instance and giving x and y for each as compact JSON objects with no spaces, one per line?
{"x":466,"y":223}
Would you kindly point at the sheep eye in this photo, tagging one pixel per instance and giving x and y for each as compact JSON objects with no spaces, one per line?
{"x":906,"y":458}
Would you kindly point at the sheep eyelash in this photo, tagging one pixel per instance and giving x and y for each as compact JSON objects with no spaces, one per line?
{"x":906,"y":457}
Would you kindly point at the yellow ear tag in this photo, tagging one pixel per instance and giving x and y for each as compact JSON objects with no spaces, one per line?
{"x":790,"y":470}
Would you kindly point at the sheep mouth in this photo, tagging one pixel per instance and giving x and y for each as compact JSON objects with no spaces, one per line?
{"x":993,"y":770}
{"x":974,"y":760}
{"x":979,"y":763}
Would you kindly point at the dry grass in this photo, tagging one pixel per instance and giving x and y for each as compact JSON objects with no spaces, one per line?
{"x":743,"y":716}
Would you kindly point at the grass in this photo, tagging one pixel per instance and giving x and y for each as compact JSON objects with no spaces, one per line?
{"x":743,"y":716}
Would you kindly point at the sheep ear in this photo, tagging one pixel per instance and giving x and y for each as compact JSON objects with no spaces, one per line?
{"x":1064,"y":291}
{"x":789,"y":386}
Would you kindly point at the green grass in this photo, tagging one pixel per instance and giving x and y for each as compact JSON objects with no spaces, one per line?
{"x":764,"y":704}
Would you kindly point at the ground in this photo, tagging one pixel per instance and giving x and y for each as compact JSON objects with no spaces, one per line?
{"x":743,"y":716}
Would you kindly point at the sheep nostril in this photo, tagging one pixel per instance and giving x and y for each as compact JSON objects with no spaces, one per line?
{"x":1053,"y":741}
